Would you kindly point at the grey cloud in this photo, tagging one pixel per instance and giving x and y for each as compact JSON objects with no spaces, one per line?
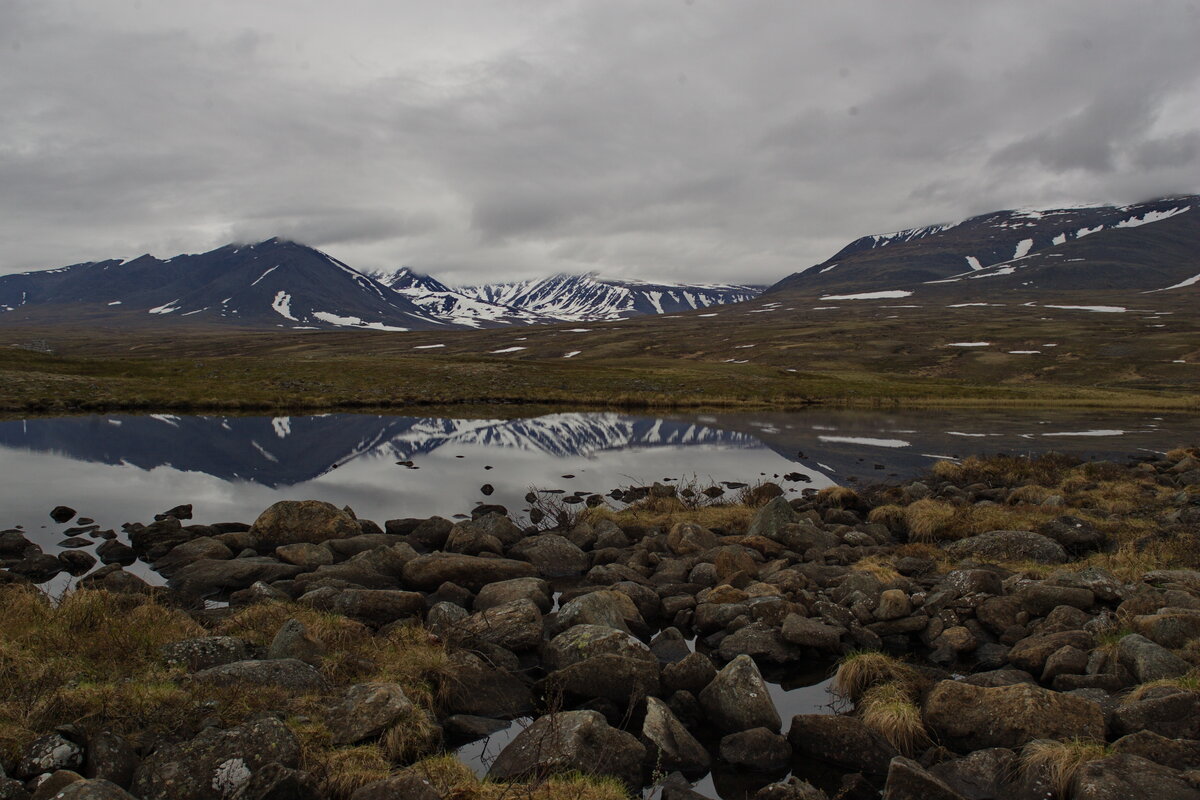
{"x":660,"y":140}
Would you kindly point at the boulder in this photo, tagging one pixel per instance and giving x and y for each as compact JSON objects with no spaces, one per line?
{"x":737,"y":699}
{"x":374,"y":607}
{"x":516,"y":625}
{"x":1121,"y":776}
{"x":97,"y":789}
{"x":1181,"y":754}
{"x":206,"y":651}
{"x":535,"y":590}
{"x":908,"y":780}
{"x":277,"y":782}
{"x":840,"y":740}
{"x":209,"y":576}
{"x":1004,"y":546}
{"x":184,"y":554}
{"x":611,"y":676}
{"x":982,"y":774}
{"x":1170,"y":627}
{"x":109,"y":757}
{"x":769,"y":520}
{"x":967,"y":718}
{"x":602,"y":607}
{"x":584,"y":641}
{"x":367,"y":711}
{"x":293,"y":640}
{"x":217,"y":763}
{"x":428,"y":572}
{"x":553,"y":555}
{"x":407,"y":785}
{"x":1031,"y":653}
{"x":305,"y":554}
{"x":761,"y":642}
{"x":1039,"y":599}
{"x":48,"y":753}
{"x":292,"y":521}
{"x":893,"y":604}
{"x":757,"y":749}
{"x":809,"y":632}
{"x":288,"y":673}
{"x":478,"y":688}
{"x":688,"y":538}
{"x":1169,"y":712}
{"x":1148,"y":661}
{"x":691,"y":674}
{"x":571,"y":741}
{"x":669,"y":745}
{"x":62,"y":514}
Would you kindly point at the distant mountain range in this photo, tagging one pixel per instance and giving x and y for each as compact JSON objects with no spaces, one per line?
{"x":279,"y":283}
{"x":1146,"y":247}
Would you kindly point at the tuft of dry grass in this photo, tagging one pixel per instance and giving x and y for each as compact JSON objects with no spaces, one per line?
{"x":664,"y":512}
{"x":889,"y":710}
{"x":890,"y":516}
{"x":838,"y":497}
{"x":929,"y":520}
{"x":452,"y":779}
{"x":1060,"y":762}
{"x":880,"y":566}
{"x":1189,"y":682}
{"x":859,"y":671}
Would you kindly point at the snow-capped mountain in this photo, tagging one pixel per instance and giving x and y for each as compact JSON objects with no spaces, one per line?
{"x":273,"y":283}
{"x":1144,"y":247}
{"x":439,"y":300}
{"x":278,"y":283}
{"x":582,"y":298}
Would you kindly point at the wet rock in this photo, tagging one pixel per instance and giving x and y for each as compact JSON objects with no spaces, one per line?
{"x":113,"y":551}
{"x":794,"y":788}
{"x":554,"y":556}
{"x":1007,"y":546}
{"x":205,"y":652}
{"x":77,"y":562}
{"x":293,"y":640}
{"x":967,"y":718}
{"x":61,"y":514}
{"x":368,"y":710}
{"x":1121,"y":776}
{"x":908,"y":780}
{"x":571,"y":740}
{"x":478,"y":688}
{"x":37,"y":568}
{"x":428,"y":572}
{"x":429,"y":534}
{"x":669,"y":745}
{"x":158,"y":538}
{"x":114,"y":579}
{"x":217,"y":763}
{"x":737,"y":699}
{"x":292,"y":521}
{"x":194,"y":550}
{"x":469,"y":728}
{"x":1148,"y":661}
{"x":48,"y":753}
{"x":14,"y":545}
{"x":840,"y":740}
{"x":288,"y":673}
{"x":756,"y":749}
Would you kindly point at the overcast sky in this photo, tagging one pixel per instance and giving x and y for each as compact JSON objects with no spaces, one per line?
{"x":671,"y":139}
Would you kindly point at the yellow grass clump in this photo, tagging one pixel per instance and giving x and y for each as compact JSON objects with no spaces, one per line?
{"x":859,"y":671}
{"x":889,"y":710}
{"x":1059,"y":762}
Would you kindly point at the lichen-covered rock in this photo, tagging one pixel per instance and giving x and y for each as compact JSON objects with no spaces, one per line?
{"x":1007,"y":546}
{"x":1121,"y":776}
{"x":205,"y":652}
{"x":289,"y":673}
{"x":569,"y":741}
{"x":841,"y":740}
{"x":669,"y":745}
{"x":292,"y":521}
{"x":217,"y":764}
{"x":368,"y":710}
{"x":49,"y":753}
{"x":516,"y":625}
{"x":1148,"y":661}
{"x":737,"y":699}
{"x":967,"y":718}
{"x":428,"y":572}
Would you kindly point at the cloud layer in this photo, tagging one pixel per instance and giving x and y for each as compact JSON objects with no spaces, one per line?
{"x":697,"y":140}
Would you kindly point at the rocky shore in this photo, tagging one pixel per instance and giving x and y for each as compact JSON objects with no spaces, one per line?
{"x":1002,"y":628}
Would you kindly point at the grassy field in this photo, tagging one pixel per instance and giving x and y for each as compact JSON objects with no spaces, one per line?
{"x":768,"y":353}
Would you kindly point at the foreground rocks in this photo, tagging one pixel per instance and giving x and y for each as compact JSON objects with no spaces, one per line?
{"x":641,"y":651}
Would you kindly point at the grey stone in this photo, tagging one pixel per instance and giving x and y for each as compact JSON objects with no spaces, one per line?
{"x":737,"y":699}
{"x":289,"y":673}
{"x":1148,"y":661}
{"x":668,"y":743}
{"x":1008,"y":546}
{"x":571,"y":740}
{"x":205,"y":652}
